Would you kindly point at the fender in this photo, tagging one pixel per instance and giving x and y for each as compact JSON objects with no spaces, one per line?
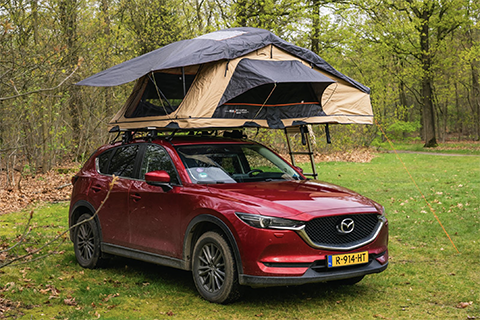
{"x":91,"y":208}
{"x":187,"y":242}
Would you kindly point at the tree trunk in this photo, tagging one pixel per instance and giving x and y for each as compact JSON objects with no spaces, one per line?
{"x":427,"y":105}
{"x":34,"y":5}
{"x":476,"y":98}
{"x":242,"y":7}
{"x":445,"y":117}
{"x":315,"y":26}
{"x":428,"y":115}
{"x":199,"y":16}
{"x":458,"y":120}
{"x":68,"y":19}
{"x":108,"y":93}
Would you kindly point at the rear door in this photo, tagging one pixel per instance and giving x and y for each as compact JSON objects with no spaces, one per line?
{"x":114,"y":220}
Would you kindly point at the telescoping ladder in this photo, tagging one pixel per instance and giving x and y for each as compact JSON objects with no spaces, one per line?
{"x":305,"y":137}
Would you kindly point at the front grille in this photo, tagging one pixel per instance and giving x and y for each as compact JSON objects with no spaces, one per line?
{"x":323,"y":232}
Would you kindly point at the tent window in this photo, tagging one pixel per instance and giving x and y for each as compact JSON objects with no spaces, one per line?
{"x":284,"y":93}
{"x":288,"y":100}
{"x":162,"y":95}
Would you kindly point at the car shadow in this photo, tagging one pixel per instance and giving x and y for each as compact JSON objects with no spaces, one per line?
{"x":302,"y":293}
{"x":152,"y":272}
{"x":182,"y":280}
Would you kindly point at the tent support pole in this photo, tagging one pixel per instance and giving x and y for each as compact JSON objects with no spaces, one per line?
{"x":165,"y":98}
{"x":183,"y":80}
{"x":287,"y":137}
{"x":310,"y":153}
{"x":327,"y":134}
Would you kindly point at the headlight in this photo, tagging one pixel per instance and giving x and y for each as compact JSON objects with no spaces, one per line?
{"x":265,"y":222}
{"x":382,"y":210}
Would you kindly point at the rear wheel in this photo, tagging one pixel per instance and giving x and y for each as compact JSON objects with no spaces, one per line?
{"x":86,"y":242}
{"x":214,"y":270}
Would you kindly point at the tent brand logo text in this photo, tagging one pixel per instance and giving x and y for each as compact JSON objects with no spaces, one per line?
{"x":346,"y":226}
{"x":238,"y":111}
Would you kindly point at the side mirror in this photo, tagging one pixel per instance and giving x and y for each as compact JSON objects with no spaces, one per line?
{"x":299,"y":169}
{"x":159,"y":178}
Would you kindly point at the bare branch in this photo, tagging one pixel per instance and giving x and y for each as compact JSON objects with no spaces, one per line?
{"x":24,"y":235}
{"x":18,"y":260}
{"x":42,"y":90}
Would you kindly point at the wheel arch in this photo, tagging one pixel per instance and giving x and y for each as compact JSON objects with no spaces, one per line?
{"x":80,"y":207}
{"x":201,"y":224}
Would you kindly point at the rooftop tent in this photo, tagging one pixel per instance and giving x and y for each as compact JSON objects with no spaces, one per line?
{"x":234,"y":78}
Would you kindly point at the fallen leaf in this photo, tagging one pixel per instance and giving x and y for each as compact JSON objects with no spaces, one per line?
{"x":463,"y":305}
{"x":70,"y":302}
{"x":44,"y":291}
{"x":110,"y":296}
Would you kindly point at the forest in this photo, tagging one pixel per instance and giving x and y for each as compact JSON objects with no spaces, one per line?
{"x":421,"y":59}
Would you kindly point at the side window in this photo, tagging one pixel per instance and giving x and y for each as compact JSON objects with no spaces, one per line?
{"x":123,"y":161}
{"x":102,"y":162}
{"x":156,"y":158}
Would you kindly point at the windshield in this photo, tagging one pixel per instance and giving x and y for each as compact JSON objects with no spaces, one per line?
{"x":232,"y":163}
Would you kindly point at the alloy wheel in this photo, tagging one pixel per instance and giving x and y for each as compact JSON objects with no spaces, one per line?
{"x":86,"y":241}
{"x":211,"y":269}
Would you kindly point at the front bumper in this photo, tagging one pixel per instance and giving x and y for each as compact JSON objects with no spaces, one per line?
{"x":312,"y":276}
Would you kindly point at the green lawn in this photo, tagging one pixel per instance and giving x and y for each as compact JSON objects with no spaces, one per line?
{"x":426,"y":279}
{"x":450,"y":147}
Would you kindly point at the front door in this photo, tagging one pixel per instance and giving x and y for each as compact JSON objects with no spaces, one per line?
{"x":155,"y":215}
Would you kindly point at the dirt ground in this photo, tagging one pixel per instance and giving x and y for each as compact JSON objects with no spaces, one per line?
{"x":53,"y":186}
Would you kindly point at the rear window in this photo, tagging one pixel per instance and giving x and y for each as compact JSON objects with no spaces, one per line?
{"x":102,"y":161}
{"x":119,"y":162}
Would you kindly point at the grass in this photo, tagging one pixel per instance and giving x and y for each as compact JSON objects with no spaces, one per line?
{"x":451,"y":147}
{"x":426,"y":278}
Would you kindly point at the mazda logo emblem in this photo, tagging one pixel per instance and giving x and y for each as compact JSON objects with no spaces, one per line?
{"x":346,"y":226}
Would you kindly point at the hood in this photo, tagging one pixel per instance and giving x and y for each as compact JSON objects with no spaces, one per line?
{"x":313,"y":198}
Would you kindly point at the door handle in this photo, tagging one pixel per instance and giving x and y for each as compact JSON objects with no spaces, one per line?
{"x":96,"y":188}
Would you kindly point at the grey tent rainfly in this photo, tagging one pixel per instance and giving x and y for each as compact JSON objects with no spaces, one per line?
{"x":239,"y":77}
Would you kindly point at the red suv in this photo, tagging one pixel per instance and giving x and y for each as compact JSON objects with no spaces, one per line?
{"x":231,"y":211}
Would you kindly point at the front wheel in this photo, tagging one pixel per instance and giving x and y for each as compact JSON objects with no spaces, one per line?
{"x":214,"y":270}
{"x":86,"y":242}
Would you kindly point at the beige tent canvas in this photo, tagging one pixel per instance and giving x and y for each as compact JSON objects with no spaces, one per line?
{"x":241,"y":77}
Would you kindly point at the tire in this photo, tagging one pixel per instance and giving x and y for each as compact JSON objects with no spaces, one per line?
{"x":86,"y":243}
{"x":214,"y":269}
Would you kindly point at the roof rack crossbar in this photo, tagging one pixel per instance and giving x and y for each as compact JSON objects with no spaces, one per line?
{"x":170,"y":137}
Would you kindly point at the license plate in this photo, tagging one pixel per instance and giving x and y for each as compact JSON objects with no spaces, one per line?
{"x":348,"y":259}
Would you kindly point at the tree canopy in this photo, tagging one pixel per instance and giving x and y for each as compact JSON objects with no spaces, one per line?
{"x":421,"y":58}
